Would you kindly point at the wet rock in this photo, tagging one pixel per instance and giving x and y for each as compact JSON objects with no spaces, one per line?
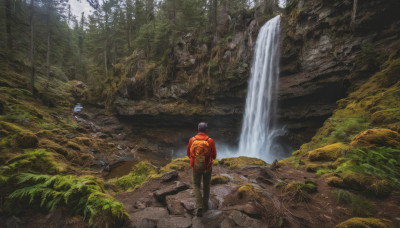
{"x":243,"y":220}
{"x":147,"y":223}
{"x":212,"y":214}
{"x":220,"y":192}
{"x":170,"y":190}
{"x":177,"y":222}
{"x":174,"y":206}
{"x":120,"y":136}
{"x":148,"y":217}
{"x":170,"y":176}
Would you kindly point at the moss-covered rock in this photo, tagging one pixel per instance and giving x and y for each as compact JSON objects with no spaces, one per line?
{"x":335,"y":181}
{"x":51,"y":145}
{"x":83,"y":140}
{"x":178,"y":164}
{"x":248,"y":190}
{"x":139,"y":174}
{"x":328,"y":153}
{"x":219,"y":180}
{"x":26,"y":139}
{"x":240,"y":162}
{"x":356,"y":181}
{"x":380,"y":188}
{"x":376,"y":138}
{"x":357,"y":222}
{"x":73,"y":146}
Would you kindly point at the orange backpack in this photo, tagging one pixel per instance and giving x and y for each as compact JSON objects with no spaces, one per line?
{"x":200,"y":152}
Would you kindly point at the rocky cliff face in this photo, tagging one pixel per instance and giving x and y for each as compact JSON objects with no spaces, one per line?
{"x":203,"y":79}
{"x":326,"y":53}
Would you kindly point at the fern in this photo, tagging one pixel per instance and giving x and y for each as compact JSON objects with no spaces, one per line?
{"x":81,"y":195}
{"x":382,"y":162}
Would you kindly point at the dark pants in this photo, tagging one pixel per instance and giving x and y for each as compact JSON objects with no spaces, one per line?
{"x":202,"y":200}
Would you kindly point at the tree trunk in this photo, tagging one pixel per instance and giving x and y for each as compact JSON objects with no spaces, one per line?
{"x":129,"y":36}
{"x":32,"y":51}
{"x":48,"y":50}
{"x":8,"y":25}
{"x":215,"y":3}
{"x":105,"y":60}
{"x":353,"y":16}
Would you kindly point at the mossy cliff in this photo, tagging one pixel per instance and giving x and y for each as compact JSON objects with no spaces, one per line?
{"x":327,"y":54}
{"x":358,"y":146}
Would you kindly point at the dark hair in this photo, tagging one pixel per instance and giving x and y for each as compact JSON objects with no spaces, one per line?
{"x":202,"y":127}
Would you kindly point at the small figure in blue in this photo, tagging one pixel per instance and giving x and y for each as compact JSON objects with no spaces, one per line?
{"x":78,"y":107}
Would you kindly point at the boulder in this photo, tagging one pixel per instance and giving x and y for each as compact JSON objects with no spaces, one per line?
{"x":174,"y":206}
{"x":173,"y":175}
{"x":243,"y":220}
{"x":148,"y":217}
{"x":170,"y":190}
{"x":176,"y":222}
{"x":327,"y":153}
{"x":375,"y":138}
{"x":26,"y":139}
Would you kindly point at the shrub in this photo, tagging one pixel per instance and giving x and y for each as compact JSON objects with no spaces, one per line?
{"x":342,"y":197}
{"x":362,"y":207}
{"x":80,"y":195}
{"x":300,"y":191}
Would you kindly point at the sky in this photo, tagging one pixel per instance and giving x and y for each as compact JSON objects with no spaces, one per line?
{"x":79,"y":6}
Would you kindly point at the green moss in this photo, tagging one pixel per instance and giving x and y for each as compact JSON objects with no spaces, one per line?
{"x":10,"y":127}
{"x":73,"y":146}
{"x":328,"y":153}
{"x":53,"y":146}
{"x":80,"y":195}
{"x":178,"y":164}
{"x":335,"y":181}
{"x":240,"y":162}
{"x":321,"y":172}
{"x":380,"y":188}
{"x":39,"y":161}
{"x":376,"y":138}
{"x":219,"y":180}
{"x":364,"y":223}
{"x":139,"y":174}
{"x":248,"y":190}
{"x":356,"y":181}
{"x":83,"y":140}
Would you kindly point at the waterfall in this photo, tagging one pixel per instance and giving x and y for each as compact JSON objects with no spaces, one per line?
{"x":259,"y":129}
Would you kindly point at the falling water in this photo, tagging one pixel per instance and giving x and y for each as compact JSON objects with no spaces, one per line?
{"x":259,"y":129}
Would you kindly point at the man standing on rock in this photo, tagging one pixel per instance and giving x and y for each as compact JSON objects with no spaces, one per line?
{"x":201,"y":151}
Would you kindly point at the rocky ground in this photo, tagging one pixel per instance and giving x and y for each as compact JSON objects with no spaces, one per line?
{"x":250,"y":196}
